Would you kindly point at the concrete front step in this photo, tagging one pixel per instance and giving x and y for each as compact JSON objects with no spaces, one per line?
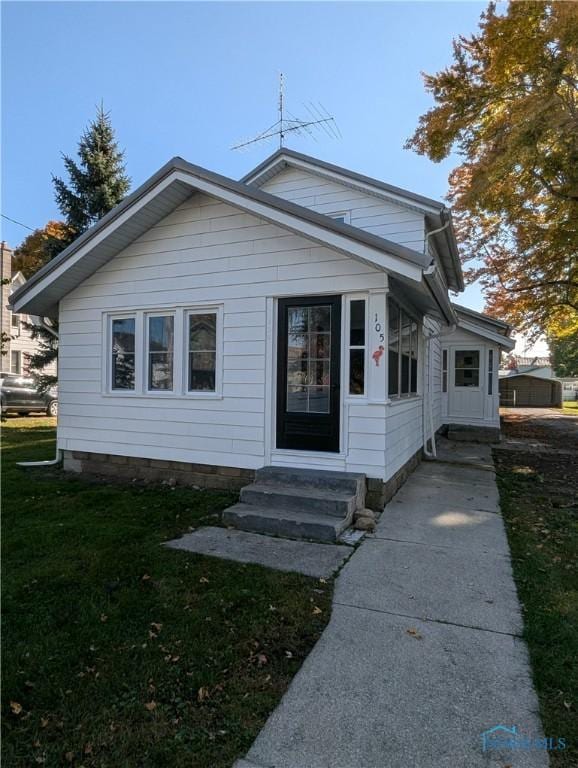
{"x":300,"y":499}
{"x":289,"y":523}
{"x":346,"y":482}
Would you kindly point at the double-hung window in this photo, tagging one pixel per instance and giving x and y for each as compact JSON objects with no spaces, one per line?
{"x":174,"y":351}
{"x":403,"y":351}
{"x":160,"y":352}
{"x":201,"y":351}
{"x":123,"y":353}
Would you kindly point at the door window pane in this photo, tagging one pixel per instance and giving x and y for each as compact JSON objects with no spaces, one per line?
{"x":308,"y":359}
{"x":202,"y":352}
{"x":467,"y":368}
{"x":160,"y":352}
{"x":123,"y":353}
{"x":393,"y":348}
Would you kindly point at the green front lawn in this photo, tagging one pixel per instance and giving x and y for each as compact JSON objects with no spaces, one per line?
{"x":539,"y":499}
{"x":120,"y":653}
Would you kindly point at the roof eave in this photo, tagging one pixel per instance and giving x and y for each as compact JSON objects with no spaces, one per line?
{"x":382,"y":253}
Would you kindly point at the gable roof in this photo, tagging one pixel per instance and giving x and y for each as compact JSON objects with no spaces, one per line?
{"x":485,"y":326}
{"x":437,"y":215}
{"x":531,"y":375}
{"x":171,"y":186}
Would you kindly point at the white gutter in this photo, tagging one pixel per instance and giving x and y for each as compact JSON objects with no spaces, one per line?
{"x":49,"y":463}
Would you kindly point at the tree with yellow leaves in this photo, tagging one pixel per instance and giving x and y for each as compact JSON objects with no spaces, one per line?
{"x":508,"y":104}
{"x":39,"y":247}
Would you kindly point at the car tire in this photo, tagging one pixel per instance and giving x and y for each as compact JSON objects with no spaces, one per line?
{"x":52,"y":409}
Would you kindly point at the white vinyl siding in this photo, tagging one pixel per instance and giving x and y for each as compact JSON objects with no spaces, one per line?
{"x":205,"y":253}
{"x":371,"y":213}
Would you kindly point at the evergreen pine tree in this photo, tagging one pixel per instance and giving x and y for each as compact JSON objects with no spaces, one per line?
{"x":97,"y":182}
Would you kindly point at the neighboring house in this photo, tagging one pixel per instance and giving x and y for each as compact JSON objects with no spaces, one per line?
{"x":20,"y":345}
{"x":531,"y":389}
{"x":299,"y":317}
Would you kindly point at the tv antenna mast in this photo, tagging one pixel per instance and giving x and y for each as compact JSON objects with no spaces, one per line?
{"x":319,"y":119}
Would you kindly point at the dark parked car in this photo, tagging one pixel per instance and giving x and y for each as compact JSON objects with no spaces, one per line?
{"x":18,"y":394}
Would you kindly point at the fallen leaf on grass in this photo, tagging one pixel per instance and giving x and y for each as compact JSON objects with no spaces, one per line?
{"x":202,"y":694}
{"x":69,"y":757}
{"x":316,"y":610}
{"x":103,"y":617}
{"x":145,"y":577}
{"x":151,"y":706}
{"x":15,"y":707}
{"x":44,"y":722}
{"x":204,"y":580}
{"x":262,"y":659}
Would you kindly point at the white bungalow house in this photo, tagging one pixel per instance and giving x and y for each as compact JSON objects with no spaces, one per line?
{"x":298,"y":318}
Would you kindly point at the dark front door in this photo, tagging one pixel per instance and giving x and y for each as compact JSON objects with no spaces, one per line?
{"x":308,"y":373}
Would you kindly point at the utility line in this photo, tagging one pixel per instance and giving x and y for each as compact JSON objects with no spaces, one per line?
{"x":20,"y":224}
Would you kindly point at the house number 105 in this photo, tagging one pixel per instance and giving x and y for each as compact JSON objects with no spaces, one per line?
{"x":379,"y":328}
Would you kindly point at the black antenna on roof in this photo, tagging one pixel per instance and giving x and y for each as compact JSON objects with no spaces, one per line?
{"x":319,"y":120}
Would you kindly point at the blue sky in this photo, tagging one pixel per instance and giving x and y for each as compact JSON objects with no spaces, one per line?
{"x":191,"y":79}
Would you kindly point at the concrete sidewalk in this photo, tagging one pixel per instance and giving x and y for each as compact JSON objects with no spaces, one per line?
{"x":423,"y":651}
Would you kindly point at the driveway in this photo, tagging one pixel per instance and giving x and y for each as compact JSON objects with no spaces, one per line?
{"x":539,"y":428}
{"x":423,"y":653}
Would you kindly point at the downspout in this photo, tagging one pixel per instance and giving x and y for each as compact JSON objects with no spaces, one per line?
{"x":430,"y":454}
{"x":49,"y":463}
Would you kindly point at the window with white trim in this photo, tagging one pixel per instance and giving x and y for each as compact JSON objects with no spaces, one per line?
{"x":15,"y":361}
{"x":123,"y":356}
{"x":160,"y":352}
{"x":15,"y":323}
{"x":201,"y":351}
{"x":357,"y":346}
{"x":403,"y":351}
{"x":343,"y":216}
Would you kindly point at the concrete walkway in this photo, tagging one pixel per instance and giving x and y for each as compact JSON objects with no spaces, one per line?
{"x":423,"y":651}
{"x":317,"y":560}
